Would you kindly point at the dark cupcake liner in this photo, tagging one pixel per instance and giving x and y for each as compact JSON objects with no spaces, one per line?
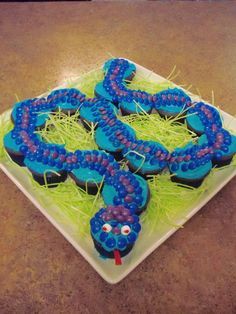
{"x":92,"y":188}
{"x":107,"y":254}
{"x":51,"y":178}
{"x":17,"y":157}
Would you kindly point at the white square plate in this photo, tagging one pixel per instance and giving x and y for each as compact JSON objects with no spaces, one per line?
{"x":146,"y":243}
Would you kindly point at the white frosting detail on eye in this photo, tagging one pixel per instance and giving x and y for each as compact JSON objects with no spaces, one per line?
{"x":106,"y":228}
{"x":125,"y":230}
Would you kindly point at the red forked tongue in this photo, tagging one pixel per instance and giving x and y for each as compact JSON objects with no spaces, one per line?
{"x":117,"y":257}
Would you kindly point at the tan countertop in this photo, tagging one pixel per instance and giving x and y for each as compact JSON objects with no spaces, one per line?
{"x":40,"y":45}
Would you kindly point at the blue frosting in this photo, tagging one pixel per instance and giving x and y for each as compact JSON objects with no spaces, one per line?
{"x":109,"y":192}
{"x":109,"y":240}
{"x":195,"y":123}
{"x":41,"y":117}
{"x":145,"y":189}
{"x":87,"y":175}
{"x":172,"y":101}
{"x":87,"y":113}
{"x":103,"y":139}
{"x":10,"y":143}
{"x":171,"y":109}
{"x":201,"y":166}
{"x":197,"y":120}
{"x":101,"y":92}
{"x":128,"y":72}
{"x":134,"y":108}
{"x":39,"y":167}
{"x":67,"y":99}
{"x":201,"y":140}
{"x":150,"y":164}
{"x":227,"y":150}
{"x":66,"y":106}
{"x":195,"y":174}
{"x":91,"y":112}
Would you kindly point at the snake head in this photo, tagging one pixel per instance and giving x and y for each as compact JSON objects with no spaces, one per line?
{"x":114,"y":231}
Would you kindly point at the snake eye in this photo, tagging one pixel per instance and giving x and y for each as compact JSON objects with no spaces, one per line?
{"x":125,"y":230}
{"x":106,"y":228}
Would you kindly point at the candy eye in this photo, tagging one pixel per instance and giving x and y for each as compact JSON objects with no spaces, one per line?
{"x":125,"y":230}
{"x":106,"y":228}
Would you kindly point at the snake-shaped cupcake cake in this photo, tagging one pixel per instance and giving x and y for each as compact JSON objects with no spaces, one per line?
{"x":115,"y":228}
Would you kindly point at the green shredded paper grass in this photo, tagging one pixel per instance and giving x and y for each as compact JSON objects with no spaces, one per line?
{"x":65,"y":129}
{"x":74,"y":204}
{"x":168,"y":132}
{"x":168,"y":199}
{"x":5,"y":126}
